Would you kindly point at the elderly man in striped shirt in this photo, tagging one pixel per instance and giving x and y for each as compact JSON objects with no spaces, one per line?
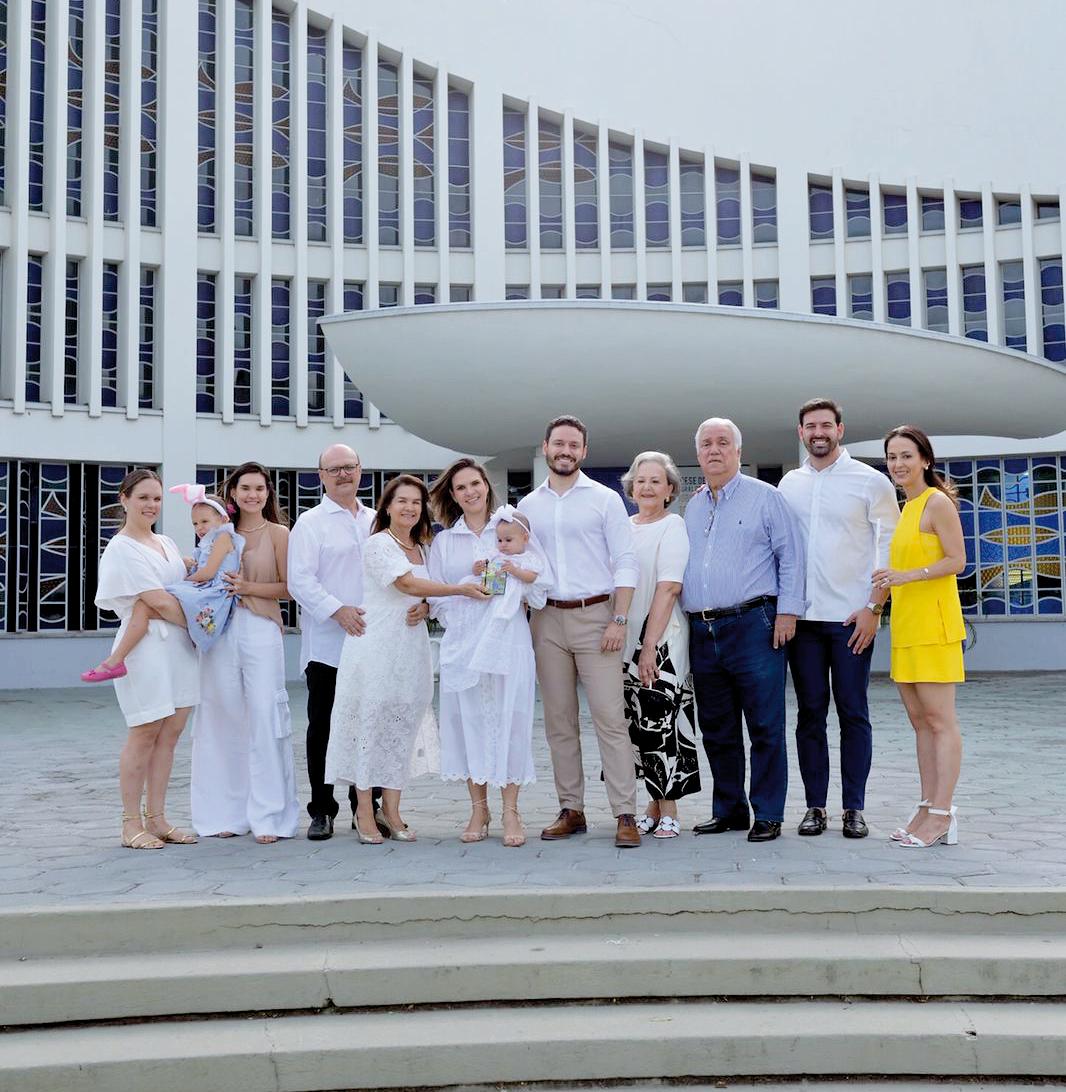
{"x":743,"y":591}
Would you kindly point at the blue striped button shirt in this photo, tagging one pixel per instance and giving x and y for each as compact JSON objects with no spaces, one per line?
{"x":745,"y":545}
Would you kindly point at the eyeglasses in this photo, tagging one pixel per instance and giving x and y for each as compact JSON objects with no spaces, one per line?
{"x":336,"y":471}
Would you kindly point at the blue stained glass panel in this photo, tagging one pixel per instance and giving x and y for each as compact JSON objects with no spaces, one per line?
{"x":586,"y":191}
{"x":932,"y":211}
{"x":860,"y":297}
{"x":656,"y":198}
{"x":109,"y":337}
{"x":898,"y":298}
{"x":894,"y":208}
{"x":971,"y":213}
{"x":424,"y":182}
{"x":731,"y":294}
{"x":352,"y":108}
{"x":146,"y":341}
{"x":353,"y":398}
{"x":1013,"y":277}
{"x":70,"y":334}
{"x":620,"y":178}
{"x":317,"y":151}
{"x":515,"y":215}
{"x":820,"y":210}
{"x":936,"y":300}
{"x":34,"y":303}
{"x":281,"y":117}
{"x":280,"y":348}
{"x":149,"y":108}
{"x":1053,"y":313}
{"x":974,"y":303}
{"x":38,"y":54}
{"x":242,"y":345}
{"x":727,"y":198}
{"x":112,"y":104}
{"x":243,"y":117}
{"x":459,"y":228}
{"x":693,"y":204}
{"x":205,"y":342}
{"x":206,"y":102}
{"x":857,"y":212}
{"x":3,"y":113}
{"x":388,"y":155}
{"x":52,"y":506}
{"x":75,"y":103}
{"x":550,"y":174}
{"x":763,"y":207}
{"x":316,"y":349}
{"x":823,"y":295}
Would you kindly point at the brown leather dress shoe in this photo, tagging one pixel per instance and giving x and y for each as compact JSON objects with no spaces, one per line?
{"x":569,"y":822}
{"x":627,"y":835}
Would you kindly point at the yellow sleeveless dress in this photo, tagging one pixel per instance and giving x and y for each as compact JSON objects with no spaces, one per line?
{"x":927,"y":626}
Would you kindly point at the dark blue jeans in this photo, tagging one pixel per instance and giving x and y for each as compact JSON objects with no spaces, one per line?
{"x":739,"y":677}
{"x":819,"y":657}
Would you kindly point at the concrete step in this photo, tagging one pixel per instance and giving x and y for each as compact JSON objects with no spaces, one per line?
{"x":499,"y":1046}
{"x":544,"y":967}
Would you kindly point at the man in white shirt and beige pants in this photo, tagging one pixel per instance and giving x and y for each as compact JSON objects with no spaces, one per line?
{"x":585,"y":531}
{"x":847,"y":512}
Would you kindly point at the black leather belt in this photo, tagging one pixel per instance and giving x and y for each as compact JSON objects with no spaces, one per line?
{"x":740,"y":608}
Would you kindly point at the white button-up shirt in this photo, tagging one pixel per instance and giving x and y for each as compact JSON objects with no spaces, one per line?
{"x":847,"y":513}
{"x":587,"y":536}
{"x":325,"y":573}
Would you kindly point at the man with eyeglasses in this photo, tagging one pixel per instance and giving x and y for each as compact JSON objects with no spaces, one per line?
{"x":743,"y":591}
{"x":325,"y":576}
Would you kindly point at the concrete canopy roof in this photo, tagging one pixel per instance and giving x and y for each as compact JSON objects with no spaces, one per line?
{"x":483,"y":378}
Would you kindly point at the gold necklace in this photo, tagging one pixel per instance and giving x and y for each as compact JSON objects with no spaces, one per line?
{"x":249,"y":530}
{"x":399,"y":542}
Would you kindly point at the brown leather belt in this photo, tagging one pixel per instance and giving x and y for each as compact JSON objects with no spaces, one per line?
{"x":574,"y":604}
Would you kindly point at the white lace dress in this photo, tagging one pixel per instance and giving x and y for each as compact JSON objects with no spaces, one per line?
{"x":382,"y":731}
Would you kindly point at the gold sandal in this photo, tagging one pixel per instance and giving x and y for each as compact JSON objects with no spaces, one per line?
{"x":174,"y":835}
{"x":513,"y":841}
{"x":134,"y":842}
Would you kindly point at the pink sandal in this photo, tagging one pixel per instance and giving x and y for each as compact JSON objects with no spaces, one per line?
{"x":103,"y":673}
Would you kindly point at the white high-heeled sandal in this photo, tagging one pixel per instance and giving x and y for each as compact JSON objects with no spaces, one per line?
{"x":949,"y":837}
{"x":668,"y":828}
{"x":647,"y":823}
{"x":900,"y":833}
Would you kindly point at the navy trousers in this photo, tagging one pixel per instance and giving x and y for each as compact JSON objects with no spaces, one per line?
{"x":820,"y":659}
{"x":739,"y":677}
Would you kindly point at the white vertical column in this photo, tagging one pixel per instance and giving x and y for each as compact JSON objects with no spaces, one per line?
{"x":440,"y":184}
{"x":225,"y":216}
{"x":405,"y":130}
{"x":486,"y":190}
{"x":747,"y":233}
{"x":569,"y":228}
{"x":1032,"y":277}
{"x":533,"y":195}
{"x":335,"y":208}
{"x":710,"y":204}
{"x":674,"y":210}
{"x":877,"y":260}
{"x":603,"y":207}
{"x":54,"y":282}
{"x":13,"y":358}
{"x":298,"y":220}
{"x":129,"y":206}
{"x":840,"y":234}
{"x":640,"y":241}
{"x":262,"y":317}
{"x":91,"y":286}
{"x":370,"y":172}
{"x":951,"y":258}
{"x":914,"y":254}
{"x":988,"y":245}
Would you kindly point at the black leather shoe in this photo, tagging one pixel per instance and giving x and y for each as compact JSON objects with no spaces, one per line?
{"x":814,"y":822}
{"x":854,"y":824}
{"x":321,"y":828}
{"x":764,"y":830}
{"x":717,"y":825}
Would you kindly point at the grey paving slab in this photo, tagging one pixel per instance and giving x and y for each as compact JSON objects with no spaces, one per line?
{"x":59,"y":813}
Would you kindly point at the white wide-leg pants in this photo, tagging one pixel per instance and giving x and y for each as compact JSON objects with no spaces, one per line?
{"x":243,"y":776}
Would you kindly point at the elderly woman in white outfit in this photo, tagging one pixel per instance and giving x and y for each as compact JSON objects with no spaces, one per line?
{"x":162,"y":682}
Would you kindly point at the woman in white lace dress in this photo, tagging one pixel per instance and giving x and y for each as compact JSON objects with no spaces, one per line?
{"x":382,"y":731}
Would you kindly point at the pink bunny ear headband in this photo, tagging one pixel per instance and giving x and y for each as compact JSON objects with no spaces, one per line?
{"x":197,"y":494}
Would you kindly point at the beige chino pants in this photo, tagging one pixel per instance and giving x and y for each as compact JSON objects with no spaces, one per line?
{"x":567,"y":645}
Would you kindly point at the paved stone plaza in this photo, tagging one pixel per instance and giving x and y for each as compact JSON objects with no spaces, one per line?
{"x":59,"y":811}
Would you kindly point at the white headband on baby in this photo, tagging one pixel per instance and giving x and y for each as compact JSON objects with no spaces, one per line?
{"x":197,"y":494}
{"x":507,"y":513}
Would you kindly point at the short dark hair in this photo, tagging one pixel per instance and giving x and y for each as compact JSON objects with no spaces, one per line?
{"x":813,"y":404}
{"x":570,"y":422}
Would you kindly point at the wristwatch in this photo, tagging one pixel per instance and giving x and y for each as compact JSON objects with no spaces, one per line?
{"x":877,"y":608}
{"x":620,"y":620}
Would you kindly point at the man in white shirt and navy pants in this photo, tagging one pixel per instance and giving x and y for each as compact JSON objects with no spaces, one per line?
{"x":325,"y":576}
{"x":585,"y":531}
{"x":847,"y":512}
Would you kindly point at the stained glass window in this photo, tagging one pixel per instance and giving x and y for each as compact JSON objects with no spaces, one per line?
{"x":656,"y":198}
{"x":1047,"y":209}
{"x":243,"y":117}
{"x":764,"y":207}
{"x":1012,"y":276}
{"x":34,"y":303}
{"x":316,"y":349}
{"x":317,"y":154}
{"x":38,"y":54}
{"x":660,"y":293}
{"x":936,"y":299}
{"x":693,"y":203}
{"x":109,"y":337}
{"x":824,"y":295}
{"x":730,"y":294}
{"x":857,"y":212}
{"x":971,"y":213}
{"x":281,"y":121}
{"x":388,"y":295}
{"x":727,"y":199}
{"x":149,"y":108}
{"x":425,"y":293}
{"x":242,"y":345}
{"x":620,"y":171}
{"x":932,"y":211}
{"x":70,"y":333}
{"x":860,"y":296}
{"x":1008,"y":211}
{"x":75,"y":102}
{"x":458,"y":168}
{"x":206,"y":92}
{"x":205,"y":342}
{"x":423,"y":139}
{"x":894,"y":211}
{"x":388,"y":155}
{"x":898,"y":298}
{"x":1052,"y":312}
{"x":586,"y":191}
{"x":550,"y":173}
{"x":974,"y":303}
{"x":516,"y":292}
{"x":588,"y":292}
{"x":146,"y":341}
{"x":767,"y":295}
{"x":353,"y":398}
{"x":280,"y":348}
{"x":3,"y":102}
{"x":514,"y":180}
{"x":112,"y":104}
{"x":820,"y":210}
{"x":352,"y":106}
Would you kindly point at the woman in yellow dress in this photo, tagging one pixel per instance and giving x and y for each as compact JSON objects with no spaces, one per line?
{"x":926,"y":555}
